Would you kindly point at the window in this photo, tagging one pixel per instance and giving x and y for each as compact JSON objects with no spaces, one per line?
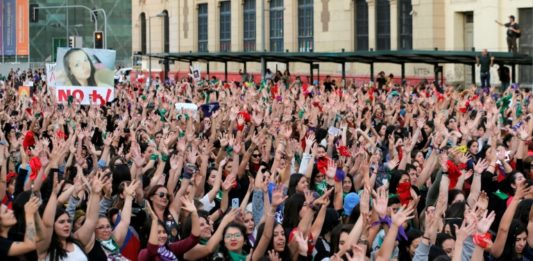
{"x":225,"y":26}
{"x":361,"y":25}
{"x":276,"y":25}
{"x":405,"y":25}
{"x":305,"y":25}
{"x":382,"y":25}
{"x":166,"y":32}
{"x":249,"y":25}
{"x":143,"y":33}
{"x":525,"y":45}
{"x":202,"y":28}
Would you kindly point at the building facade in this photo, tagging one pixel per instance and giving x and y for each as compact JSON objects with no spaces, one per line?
{"x":326,"y":26}
{"x":54,"y":27}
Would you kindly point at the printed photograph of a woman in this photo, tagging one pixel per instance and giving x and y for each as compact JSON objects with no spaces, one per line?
{"x":84,"y":69}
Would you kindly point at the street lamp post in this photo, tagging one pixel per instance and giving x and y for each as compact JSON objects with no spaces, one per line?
{"x":263,"y":65}
{"x":150,"y":46}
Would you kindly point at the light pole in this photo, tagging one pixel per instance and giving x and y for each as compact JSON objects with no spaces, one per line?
{"x":263,"y":65}
{"x":105,"y":25}
{"x":150,"y":46}
{"x":74,"y":6}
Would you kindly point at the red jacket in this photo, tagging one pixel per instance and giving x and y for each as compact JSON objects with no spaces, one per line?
{"x":178,"y":248}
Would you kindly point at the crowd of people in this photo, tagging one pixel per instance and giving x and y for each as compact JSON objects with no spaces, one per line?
{"x":270,"y":170}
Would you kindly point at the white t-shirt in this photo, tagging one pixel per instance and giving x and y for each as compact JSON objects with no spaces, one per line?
{"x":206,"y":204}
{"x":76,"y":255}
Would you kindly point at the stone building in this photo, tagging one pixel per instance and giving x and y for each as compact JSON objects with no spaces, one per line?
{"x":173,"y":26}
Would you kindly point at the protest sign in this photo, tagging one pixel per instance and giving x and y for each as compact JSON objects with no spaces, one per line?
{"x":85,"y":74}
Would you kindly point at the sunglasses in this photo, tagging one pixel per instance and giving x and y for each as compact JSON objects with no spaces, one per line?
{"x":231,"y":236}
{"x":256,"y":155}
{"x":163,"y":195}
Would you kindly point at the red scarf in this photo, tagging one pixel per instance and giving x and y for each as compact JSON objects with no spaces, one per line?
{"x":404,"y":192}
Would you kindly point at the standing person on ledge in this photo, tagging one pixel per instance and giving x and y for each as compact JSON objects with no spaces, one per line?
{"x":513,"y":33}
{"x":485,"y":61}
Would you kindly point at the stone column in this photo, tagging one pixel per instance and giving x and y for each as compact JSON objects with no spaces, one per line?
{"x":371,"y":24}
{"x":393,"y":24}
{"x":237,"y":20}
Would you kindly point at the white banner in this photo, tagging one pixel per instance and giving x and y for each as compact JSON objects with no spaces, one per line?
{"x":50,"y":74}
{"x":85,"y":95}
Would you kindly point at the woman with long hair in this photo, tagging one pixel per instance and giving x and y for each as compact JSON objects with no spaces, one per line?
{"x":59,"y":243}
{"x":79,"y":68}
{"x":108,"y":241}
{"x":10,"y":248}
{"x":158,"y":248}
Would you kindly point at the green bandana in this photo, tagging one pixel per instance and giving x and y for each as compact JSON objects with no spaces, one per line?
{"x":321,"y":187}
{"x":110,"y":246}
{"x":236,"y":256}
{"x":501,"y":195}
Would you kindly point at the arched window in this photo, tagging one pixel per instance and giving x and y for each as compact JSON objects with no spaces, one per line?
{"x":143,"y":32}
{"x":166,"y":32}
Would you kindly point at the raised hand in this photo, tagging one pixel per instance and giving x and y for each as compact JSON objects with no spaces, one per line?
{"x":273,"y":255}
{"x":381,"y":199}
{"x":301,"y":242}
{"x":365,"y":202}
{"x":481,"y":166}
{"x":129,"y":191}
{"x":98,"y":182}
{"x":402,"y":215}
{"x":229,"y":217}
{"x":521,"y":190}
{"x":324,"y":199}
{"x":277,"y":196}
{"x":332,"y":169}
{"x":464,"y":231}
{"x":228,"y":183}
{"x":358,"y":253}
{"x":151,"y":212}
{"x":32,"y":206}
{"x":484,"y":223}
{"x":187,"y":204}
{"x":57,"y":185}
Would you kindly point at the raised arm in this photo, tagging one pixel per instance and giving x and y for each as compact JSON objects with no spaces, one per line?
{"x":475,"y":189}
{"x":47,"y":224}
{"x":501,"y":237}
{"x":266,"y":237}
{"x":201,"y":251}
{"x":85,"y":234}
{"x":398,"y":218}
{"x":121,"y":230}
{"x":461,"y":234}
{"x":30,"y":237}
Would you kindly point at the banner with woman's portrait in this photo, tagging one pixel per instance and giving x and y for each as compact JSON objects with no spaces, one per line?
{"x":84,"y":75}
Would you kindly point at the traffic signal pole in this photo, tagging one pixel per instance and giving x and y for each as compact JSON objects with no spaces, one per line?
{"x":90,"y":12}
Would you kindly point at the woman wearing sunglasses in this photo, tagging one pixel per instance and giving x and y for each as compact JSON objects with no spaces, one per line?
{"x":158,"y":248}
{"x":160,"y":200}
